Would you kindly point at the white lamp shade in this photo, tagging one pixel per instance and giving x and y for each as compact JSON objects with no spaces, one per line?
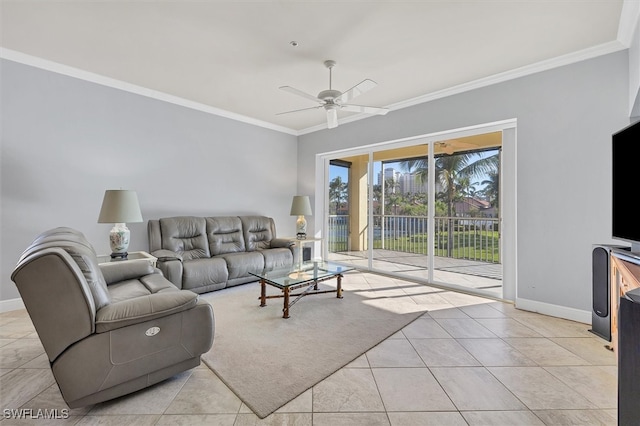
{"x":120,"y":206}
{"x":301,"y":206}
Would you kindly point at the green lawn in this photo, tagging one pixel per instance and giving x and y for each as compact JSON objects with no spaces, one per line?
{"x":475,"y":245}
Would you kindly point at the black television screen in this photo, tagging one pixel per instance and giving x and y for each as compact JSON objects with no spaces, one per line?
{"x":626,"y":176}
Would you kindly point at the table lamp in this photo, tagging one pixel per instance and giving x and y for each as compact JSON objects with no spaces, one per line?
{"x":118,"y":207}
{"x":301,"y":207}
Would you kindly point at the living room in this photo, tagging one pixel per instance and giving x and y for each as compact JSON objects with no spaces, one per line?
{"x":68,"y":135}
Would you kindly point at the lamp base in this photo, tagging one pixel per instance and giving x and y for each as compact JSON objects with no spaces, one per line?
{"x":301,"y":228}
{"x":119,"y":241}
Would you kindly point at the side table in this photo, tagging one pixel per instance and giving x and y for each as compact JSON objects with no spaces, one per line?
{"x":300,"y":243}
{"x":134,"y":256}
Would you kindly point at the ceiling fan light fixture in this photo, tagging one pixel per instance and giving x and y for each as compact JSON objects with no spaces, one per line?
{"x":329,"y":95}
{"x":333,"y":100}
{"x":332,"y":118}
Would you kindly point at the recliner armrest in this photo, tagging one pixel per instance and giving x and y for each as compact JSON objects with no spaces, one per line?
{"x":170,"y":263}
{"x":164,"y":255}
{"x":282,"y":243}
{"x":144,"y":308}
{"x":115,"y":272}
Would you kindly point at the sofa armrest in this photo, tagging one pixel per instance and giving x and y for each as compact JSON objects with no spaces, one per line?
{"x":282,"y":243}
{"x":170,"y":263}
{"x":144,"y":308}
{"x":164,"y":255}
{"x":115,"y":272}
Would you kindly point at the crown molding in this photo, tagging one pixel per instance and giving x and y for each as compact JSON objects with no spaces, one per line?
{"x":537,"y":67}
{"x":549,"y":64}
{"x":102,"y":80}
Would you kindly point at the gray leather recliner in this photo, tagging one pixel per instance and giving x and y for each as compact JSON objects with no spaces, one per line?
{"x":108,"y":330}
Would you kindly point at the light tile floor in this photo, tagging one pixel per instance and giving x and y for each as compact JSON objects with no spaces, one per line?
{"x":468,"y":361}
{"x":477,"y":276}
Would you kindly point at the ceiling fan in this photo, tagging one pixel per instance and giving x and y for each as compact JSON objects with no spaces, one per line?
{"x":333,"y":100}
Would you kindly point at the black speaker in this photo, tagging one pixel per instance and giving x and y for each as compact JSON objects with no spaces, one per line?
{"x":601,"y":290}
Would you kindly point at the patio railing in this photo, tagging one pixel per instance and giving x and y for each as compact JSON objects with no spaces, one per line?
{"x":472,"y":238}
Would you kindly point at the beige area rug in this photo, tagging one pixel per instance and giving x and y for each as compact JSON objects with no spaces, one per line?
{"x":267,"y":360}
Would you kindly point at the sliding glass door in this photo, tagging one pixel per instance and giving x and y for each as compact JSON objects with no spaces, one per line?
{"x":338,"y":221}
{"x":426,"y":210}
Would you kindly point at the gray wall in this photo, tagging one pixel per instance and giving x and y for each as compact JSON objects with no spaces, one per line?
{"x":65,"y":141}
{"x":565,"y":120}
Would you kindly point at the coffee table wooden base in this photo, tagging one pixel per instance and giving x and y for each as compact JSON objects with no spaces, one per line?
{"x":312,"y":288}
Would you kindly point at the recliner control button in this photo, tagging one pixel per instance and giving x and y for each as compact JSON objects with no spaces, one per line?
{"x":152,"y":331}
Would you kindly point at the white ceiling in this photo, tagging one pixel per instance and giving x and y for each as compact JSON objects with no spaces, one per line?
{"x":234,"y":55}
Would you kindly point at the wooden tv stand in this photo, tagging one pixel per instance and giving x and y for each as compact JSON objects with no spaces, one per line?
{"x":625,"y":276}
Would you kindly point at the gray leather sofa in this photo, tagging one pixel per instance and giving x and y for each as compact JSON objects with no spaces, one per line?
{"x":107,"y":330}
{"x":203,"y":254}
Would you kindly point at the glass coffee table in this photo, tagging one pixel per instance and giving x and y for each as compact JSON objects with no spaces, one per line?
{"x":307,"y":276}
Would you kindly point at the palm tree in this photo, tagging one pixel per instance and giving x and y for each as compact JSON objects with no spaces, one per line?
{"x":337,"y":192}
{"x":377,"y":197}
{"x":492,"y":188}
{"x":392,"y":193}
{"x":468,"y":188}
{"x":452,"y":171}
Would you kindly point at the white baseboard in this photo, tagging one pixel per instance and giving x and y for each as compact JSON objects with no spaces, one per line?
{"x":554,"y":310}
{"x":11,"y":305}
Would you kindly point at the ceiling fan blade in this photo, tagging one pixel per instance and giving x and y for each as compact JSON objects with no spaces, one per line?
{"x":299,"y":110}
{"x":332,"y":118}
{"x":365,"y":109}
{"x":358,"y":89}
{"x":300,"y":93}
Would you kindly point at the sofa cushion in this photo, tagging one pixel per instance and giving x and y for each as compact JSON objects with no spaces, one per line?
{"x":240,"y":264}
{"x":225,"y":235}
{"x":115,"y":272}
{"x":258,"y":232}
{"x":185,"y":235}
{"x":277,"y":258}
{"x":129,"y":289}
{"x":203,"y":272}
